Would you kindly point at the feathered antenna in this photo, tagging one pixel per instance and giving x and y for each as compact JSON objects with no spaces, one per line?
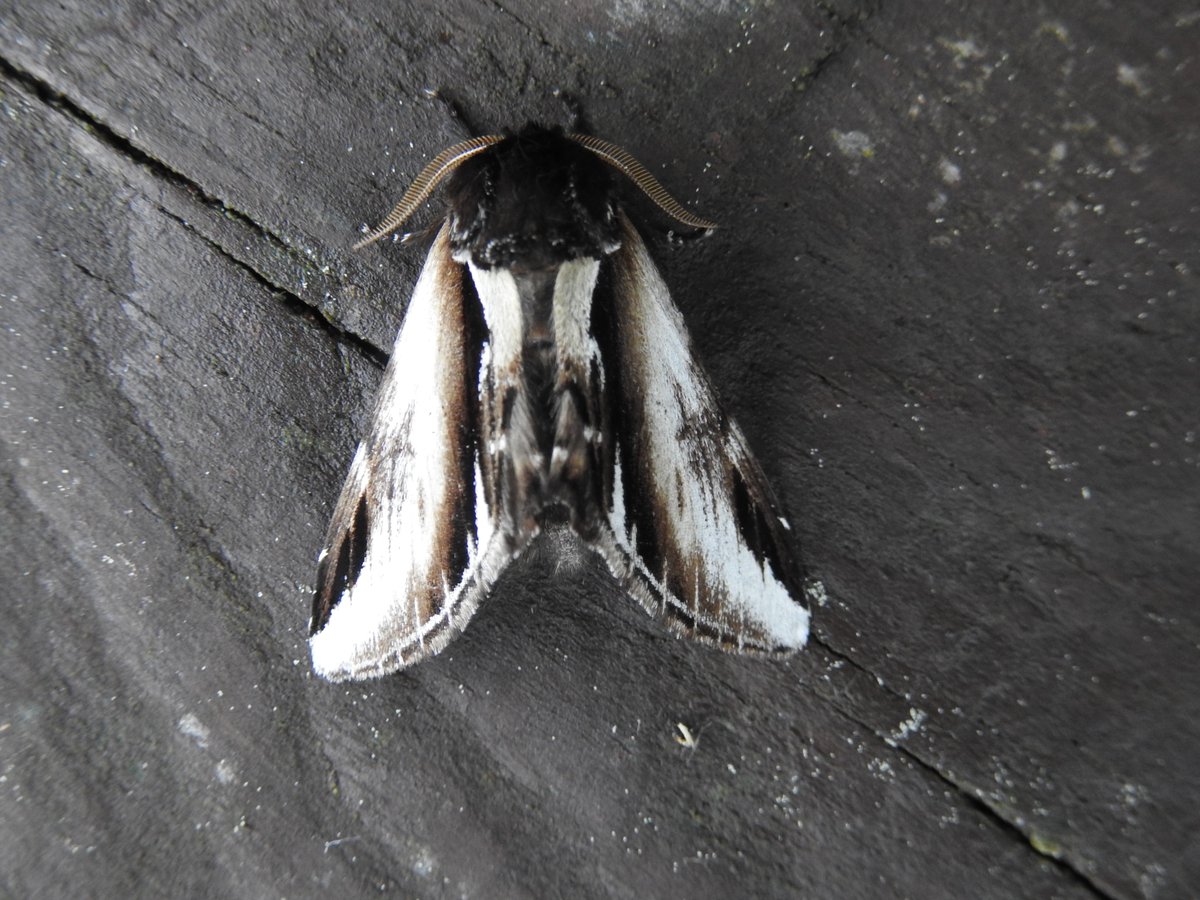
{"x":441,"y":166}
{"x":622,"y":161}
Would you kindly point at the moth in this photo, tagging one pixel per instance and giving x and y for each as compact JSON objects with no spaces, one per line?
{"x":543,"y":378}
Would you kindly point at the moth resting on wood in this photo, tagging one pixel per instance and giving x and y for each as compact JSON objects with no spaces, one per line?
{"x":543,"y":376}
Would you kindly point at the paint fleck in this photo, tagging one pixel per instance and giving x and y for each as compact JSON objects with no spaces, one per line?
{"x":1057,"y":463}
{"x":1132,"y":77}
{"x":425,"y":864}
{"x":1132,"y":795}
{"x":853,"y":144}
{"x":881,"y":769}
{"x":951,"y":173}
{"x":1152,"y":878}
{"x":192,"y":727}
{"x":916,"y":718}
{"x":1045,"y":845}
{"x":962,"y":49}
{"x":1056,"y":30}
{"x":226,"y":773}
{"x":815,"y":591}
{"x":685,"y":738}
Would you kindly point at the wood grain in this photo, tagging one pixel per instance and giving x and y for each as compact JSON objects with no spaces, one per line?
{"x":952,"y":302}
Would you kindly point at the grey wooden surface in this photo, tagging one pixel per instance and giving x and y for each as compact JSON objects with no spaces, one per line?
{"x":953,"y":303}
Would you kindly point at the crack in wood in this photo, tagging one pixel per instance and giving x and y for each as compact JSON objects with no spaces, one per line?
{"x":974,"y":799}
{"x":286,"y":298}
{"x":127,"y":149}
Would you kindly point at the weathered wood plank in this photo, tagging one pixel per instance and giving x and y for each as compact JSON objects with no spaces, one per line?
{"x":953,"y":303}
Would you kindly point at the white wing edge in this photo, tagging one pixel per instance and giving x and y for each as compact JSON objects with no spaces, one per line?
{"x":689,"y":464}
{"x":401,"y":606}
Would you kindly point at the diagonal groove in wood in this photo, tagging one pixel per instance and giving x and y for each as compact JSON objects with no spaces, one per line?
{"x":127,"y":149}
{"x":973,"y":798}
{"x":289,"y":300}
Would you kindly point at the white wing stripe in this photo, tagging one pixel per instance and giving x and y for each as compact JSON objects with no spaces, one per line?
{"x":574,"y":289}
{"x":501,"y":300}
{"x":680,"y":454}
{"x":407,"y":470}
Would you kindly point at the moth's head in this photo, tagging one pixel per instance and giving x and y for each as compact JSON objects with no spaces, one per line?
{"x":532,"y":199}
